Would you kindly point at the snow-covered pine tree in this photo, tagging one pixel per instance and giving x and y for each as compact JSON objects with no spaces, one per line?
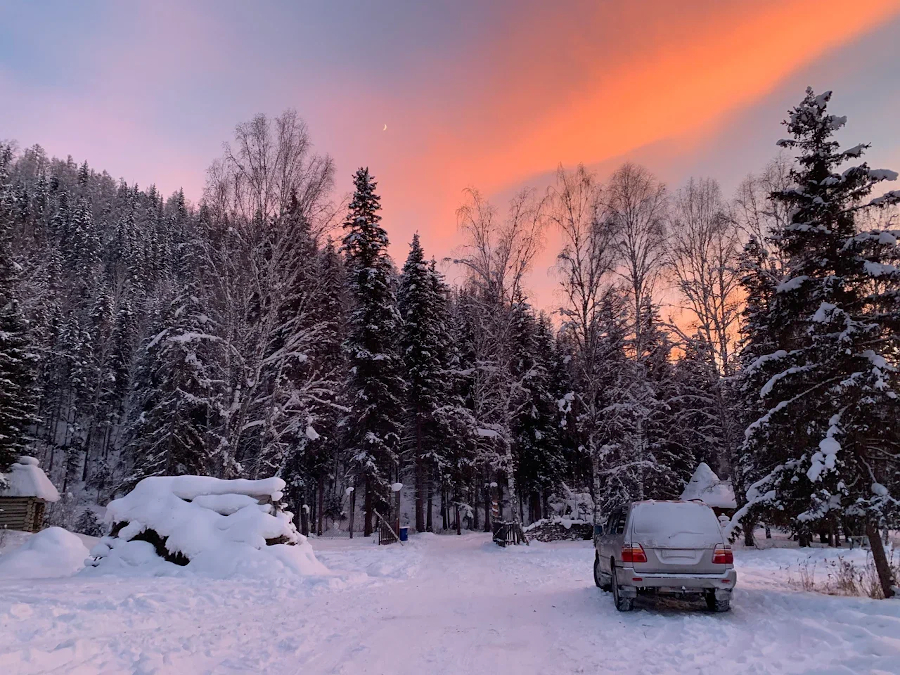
{"x":759,"y":278}
{"x":537,"y":447}
{"x":695,"y":406}
{"x":826,"y":445}
{"x":664,"y":467}
{"x":375,"y":385}
{"x":178,"y":416}
{"x":423,"y":345}
{"x":17,"y":360}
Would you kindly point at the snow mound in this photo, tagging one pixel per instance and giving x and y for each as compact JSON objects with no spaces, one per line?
{"x":53,"y":552}
{"x":26,"y":479}
{"x":706,"y":487}
{"x":206,"y":526}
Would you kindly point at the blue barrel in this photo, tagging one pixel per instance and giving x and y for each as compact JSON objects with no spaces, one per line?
{"x":404,"y":533}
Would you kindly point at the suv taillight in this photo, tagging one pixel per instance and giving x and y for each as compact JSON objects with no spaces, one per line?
{"x":634,"y":554}
{"x":723,"y":556}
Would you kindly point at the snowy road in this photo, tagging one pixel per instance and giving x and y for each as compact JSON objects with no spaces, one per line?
{"x":440,"y":605}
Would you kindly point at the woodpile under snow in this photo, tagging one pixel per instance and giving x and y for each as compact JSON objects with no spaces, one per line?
{"x":198,"y":524}
{"x":559,"y":529}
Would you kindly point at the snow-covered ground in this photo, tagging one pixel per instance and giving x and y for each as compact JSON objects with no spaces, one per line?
{"x":442,"y":604}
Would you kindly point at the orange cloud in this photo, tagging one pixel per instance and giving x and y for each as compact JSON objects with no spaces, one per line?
{"x":588,"y":86}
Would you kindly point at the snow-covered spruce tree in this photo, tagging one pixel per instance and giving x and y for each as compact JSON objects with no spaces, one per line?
{"x":695,"y":406}
{"x":458,"y":472}
{"x":17,"y":361}
{"x":315,"y":322}
{"x":759,"y":279}
{"x":660,"y":468}
{"x":422,"y":306}
{"x":375,"y":385}
{"x":827,"y":444}
{"x":178,"y":418}
{"x":537,"y":447}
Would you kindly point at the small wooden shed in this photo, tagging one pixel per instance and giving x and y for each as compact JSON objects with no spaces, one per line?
{"x":23,"y":496}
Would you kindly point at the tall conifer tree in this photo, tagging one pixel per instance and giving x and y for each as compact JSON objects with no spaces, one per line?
{"x":376,"y":387}
{"x":827,"y":443}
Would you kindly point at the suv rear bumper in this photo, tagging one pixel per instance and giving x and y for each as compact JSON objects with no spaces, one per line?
{"x":627,"y":577}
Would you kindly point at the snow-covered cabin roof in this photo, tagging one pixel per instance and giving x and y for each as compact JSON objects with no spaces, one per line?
{"x":26,"y":479}
{"x":706,"y":486}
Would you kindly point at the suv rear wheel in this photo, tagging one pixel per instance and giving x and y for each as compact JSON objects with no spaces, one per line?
{"x":622,"y":604}
{"x":717,"y":605}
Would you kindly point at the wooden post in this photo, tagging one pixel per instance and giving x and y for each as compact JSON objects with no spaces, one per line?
{"x":320,"y":508}
{"x":352,"y":508}
{"x":367,"y":526}
{"x":304,"y":520}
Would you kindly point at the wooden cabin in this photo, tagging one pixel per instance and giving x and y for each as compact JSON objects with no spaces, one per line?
{"x":25,"y":495}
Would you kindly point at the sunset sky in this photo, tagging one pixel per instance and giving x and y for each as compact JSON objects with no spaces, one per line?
{"x":474,"y":93}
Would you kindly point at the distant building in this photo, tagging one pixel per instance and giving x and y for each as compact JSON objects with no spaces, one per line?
{"x":705,"y":486}
{"x":23,"y":500}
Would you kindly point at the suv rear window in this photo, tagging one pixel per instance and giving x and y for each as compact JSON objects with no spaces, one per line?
{"x":676,"y":524}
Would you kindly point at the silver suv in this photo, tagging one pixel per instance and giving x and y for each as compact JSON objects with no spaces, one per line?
{"x":655,"y":547}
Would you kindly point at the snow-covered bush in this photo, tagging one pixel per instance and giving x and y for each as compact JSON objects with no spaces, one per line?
{"x":53,"y":552}
{"x":89,"y":524}
{"x":203,"y":525}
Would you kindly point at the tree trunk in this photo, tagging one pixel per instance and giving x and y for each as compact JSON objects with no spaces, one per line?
{"x":749,"y":527}
{"x":881,"y":561}
{"x":487,"y":508}
{"x":367,"y":527}
{"x":420,"y":494}
{"x":429,"y":525}
{"x":352,"y":510}
{"x":458,"y":521}
{"x":320,"y":506}
{"x":304,"y":520}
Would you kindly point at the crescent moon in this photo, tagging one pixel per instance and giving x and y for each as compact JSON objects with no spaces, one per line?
{"x":385,"y":128}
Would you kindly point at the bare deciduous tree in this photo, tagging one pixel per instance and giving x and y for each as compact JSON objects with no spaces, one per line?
{"x":271,"y":164}
{"x":586,"y":267}
{"x":702,"y":256}
{"x":267,"y":200}
{"x":635,"y":204}
{"x":496,"y":256}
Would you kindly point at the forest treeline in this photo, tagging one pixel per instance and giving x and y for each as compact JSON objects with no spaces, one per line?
{"x":266,"y":330}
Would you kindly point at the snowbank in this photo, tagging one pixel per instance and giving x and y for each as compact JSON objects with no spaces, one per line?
{"x":202,"y":525}
{"x":26,"y":479}
{"x":706,"y":486}
{"x":53,"y":552}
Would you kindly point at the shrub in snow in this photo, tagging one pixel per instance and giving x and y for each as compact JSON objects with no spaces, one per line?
{"x":89,"y":524}
{"x":213,"y":527}
{"x":53,"y":552}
